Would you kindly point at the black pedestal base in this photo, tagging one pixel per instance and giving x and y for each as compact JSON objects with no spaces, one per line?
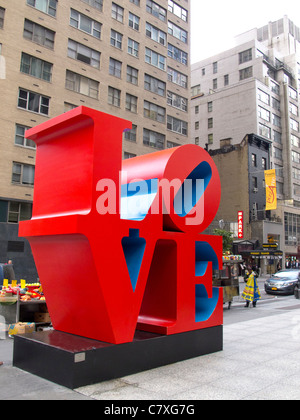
{"x":74,"y":361}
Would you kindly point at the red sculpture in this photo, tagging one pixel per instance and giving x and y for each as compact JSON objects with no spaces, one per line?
{"x":117,"y":245}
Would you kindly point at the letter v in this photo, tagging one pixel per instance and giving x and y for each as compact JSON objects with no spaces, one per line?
{"x":133,"y":248}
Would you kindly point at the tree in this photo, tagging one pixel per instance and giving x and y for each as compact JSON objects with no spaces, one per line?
{"x":227,"y":238}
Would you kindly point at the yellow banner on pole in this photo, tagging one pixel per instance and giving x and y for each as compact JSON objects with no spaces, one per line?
{"x":271,"y":191}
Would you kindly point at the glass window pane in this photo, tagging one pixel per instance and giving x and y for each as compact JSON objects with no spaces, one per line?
{"x":28,"y":175}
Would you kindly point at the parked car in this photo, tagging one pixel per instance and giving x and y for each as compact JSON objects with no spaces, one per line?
{"x":283,"y":282}
{"x":297,"y":290}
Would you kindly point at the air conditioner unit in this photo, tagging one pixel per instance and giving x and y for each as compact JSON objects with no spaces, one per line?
{"x":255,"y":190}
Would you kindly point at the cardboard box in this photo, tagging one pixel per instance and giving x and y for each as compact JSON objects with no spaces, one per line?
{"x":42,"y":317}
{"x":21,"y":328}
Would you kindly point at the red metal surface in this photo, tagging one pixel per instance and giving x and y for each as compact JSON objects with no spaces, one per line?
{"x":102,"y":274}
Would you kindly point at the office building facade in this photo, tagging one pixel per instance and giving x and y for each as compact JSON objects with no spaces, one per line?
{"x":254,"y":88}
{"x":128,"y":58}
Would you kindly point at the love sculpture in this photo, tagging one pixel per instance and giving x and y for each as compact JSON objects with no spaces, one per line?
{"x":118,"y":245}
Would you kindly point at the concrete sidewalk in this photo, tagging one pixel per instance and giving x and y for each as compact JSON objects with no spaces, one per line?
{"x":260,"y":360}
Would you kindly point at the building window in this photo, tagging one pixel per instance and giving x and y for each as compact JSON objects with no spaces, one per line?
{"x":276,"y":120}
{"x":114,"y":96}
{"x":22,"y":174}
{"x":226,"y":80}
{"x":132,"y":75}
{"x":177,"y":54}
{"x":279,"y":188}
{"x":274,"y":87}
{"x":254,"y":184}
{"x":254,"y":211}
{"x":295,"y":157}
{"x":98,"y":4}
{"x":279,"y":170}
{"x":156,"y":10}
{"x":296,"y":173}
{"x":171,"y":144}
{"x":69,"y":107}
{"x":133,"y":47}
{"x":38,"y":34}
{"x":277,"y":137}
{"x":264,"y":131}
{"x":178,"y":78}
{"x":176,"y":125}
{"x":36,"y":67}
{"x":210,"y":123}
{"x":130,"y":135}
{"x":134,"y":21}
{"x":254,"y":161}
{"x":276,"y":104}
{"x":277,"y":153}
{"x":210,"y":138}
{"x":18,"y":212}
{"x":293,"y":93}
{"x":128,"y":155}
{"x":177,"y":10}
{"x":177,"y":32}
{"x":153,"y":139}
{"x":245,"y":56}
{"x":264,"y":163}
{"x":293,"y":109}
{"x":195,"y":90}
{"x":20,"y":139}
{"x":85,"y":24}
{"x":156,"y":34}
{"x":246,"y":73}
{"x":31,"y":101}
{"x":83,"y":53}
{"x":295,"y":141}
{"x":155,"y":85}
{"x":177,"y":101}
{"x":263,"y":97}
{"x":81,"y":84}
{"x":2,"y":13}
{"x":115,"y":67}
{"x":215,"y":67}
{"x":2,"y":65}
{"x":215,"y":83}
{"x":209,"y":106}
{"x":116,"y":39}
{"x":117,"y":12}
{"x":154,"y":112}
{"x":294,"y":125}
{"x":296,"y":190}
{"x":46,"y":6}
{"x":292,"y":228}
{"x":131,"y":103}
{"x":264,"y":113}
{"x":155,"y":59}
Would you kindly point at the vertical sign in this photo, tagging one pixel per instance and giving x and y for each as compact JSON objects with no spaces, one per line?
{"x":271,"y":193}
{"x":240,"y":224}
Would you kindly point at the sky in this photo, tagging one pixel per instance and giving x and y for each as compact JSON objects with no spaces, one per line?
{"x":215,"y":23}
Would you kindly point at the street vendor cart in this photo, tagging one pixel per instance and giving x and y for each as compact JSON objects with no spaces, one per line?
{"x":228,"y":278}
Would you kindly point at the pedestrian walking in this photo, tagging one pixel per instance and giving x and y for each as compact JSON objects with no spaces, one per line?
{"x":251,"y":292}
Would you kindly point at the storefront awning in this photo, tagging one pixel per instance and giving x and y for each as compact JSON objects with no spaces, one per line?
{"x":264,"y":254}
